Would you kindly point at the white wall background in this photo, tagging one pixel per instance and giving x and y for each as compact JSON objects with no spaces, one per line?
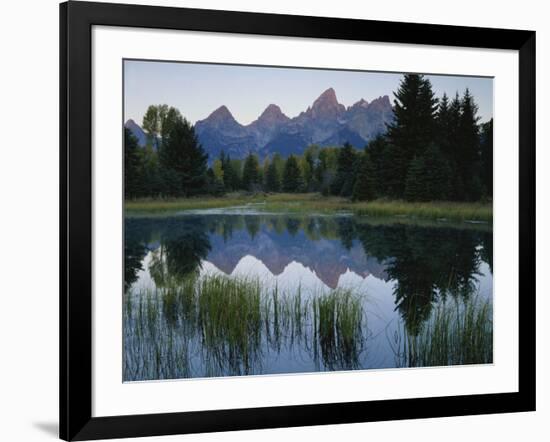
{"x":29,"y":218}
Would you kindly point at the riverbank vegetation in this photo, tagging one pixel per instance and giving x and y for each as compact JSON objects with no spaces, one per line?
{"x":317,"y":203}
{"x":434,"y":150}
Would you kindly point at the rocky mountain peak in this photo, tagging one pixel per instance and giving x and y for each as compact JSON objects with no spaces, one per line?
{"x":273,"y":114}
{"x":221,"y":114}
{"x":327,"y":105}
{"x":362,"y":103}
{"x":381,"y":103}
{"x":327,"y":98}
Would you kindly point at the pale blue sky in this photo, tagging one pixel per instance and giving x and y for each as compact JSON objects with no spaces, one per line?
{"x":198,"y":89}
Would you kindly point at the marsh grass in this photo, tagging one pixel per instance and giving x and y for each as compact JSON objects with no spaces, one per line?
{"x":317,"y":203}
{"x":457,"y":333}
{"x":231,"y":322}
{"x":339,"y":328}
{"x":219,"y":326}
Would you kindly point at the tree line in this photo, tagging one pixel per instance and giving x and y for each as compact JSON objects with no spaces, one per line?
{"x":433,"y":150}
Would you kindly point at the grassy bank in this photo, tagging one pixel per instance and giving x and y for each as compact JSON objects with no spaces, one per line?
{"x":314,"y":202}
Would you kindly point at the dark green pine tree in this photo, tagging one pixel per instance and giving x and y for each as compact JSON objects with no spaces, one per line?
{"x":469,"y":160}
{"x":452,"y":151}
{"x":345,"y":171}
{"x":251,"y":173}
{"x":309,"y":170}
{"x":436,"y":174}
{"x":416,"y":185}
{"x":364,"y":187}
{"x":427,"y":112}
{"x":380,"y":159}
{"x":292,"y":176}
{"x":132,"y":166}
{"x":412,"y":130}
{"x":230,"y":176}
{"x":444,"y":125}
{"x":182,"y":158}
{"x":487,"y":157}
{"x":272,"y":180}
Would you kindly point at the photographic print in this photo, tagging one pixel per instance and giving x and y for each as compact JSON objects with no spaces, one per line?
{"x":285,"y":220}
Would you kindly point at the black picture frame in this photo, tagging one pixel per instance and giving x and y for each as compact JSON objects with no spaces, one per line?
{"x":76,"y":21}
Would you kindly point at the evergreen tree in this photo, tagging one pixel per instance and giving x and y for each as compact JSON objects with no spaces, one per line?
{"x":468,"y":162}
{"x":251,"y":173}
{"x":436,"y":174}
{"x":171,"y":182}
{"x":364,"y":188}
{"x":217,"y":172}
{"x":272,"y":180}
{"x":416,"y":186}
{"x":292,"y":176}
{"x":237,"y":167}
{"x":263,"y":171}
{"x":412,"y":129}
{"x":428,"y":107}
{"x":132,"y":166}
{"x":223,"y":158}
{"x":380,"y":160}
{"x":487,"y":157}
{"x":444,"y":125}
{"x":307,"y":165}
{"x":452,"y":150}
{"x":345,"y":171}
{"x":230,"y":175}
{"x":182,"y":158}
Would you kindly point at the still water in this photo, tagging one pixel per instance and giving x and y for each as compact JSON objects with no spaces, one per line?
{"x":235,"y":293}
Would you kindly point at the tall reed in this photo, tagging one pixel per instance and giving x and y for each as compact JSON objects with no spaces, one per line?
{"x":458,"y":333}
{"x":231,"y":322}
{"x":339,"y":328}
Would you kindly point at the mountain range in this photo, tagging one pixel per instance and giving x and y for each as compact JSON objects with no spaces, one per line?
{"x":325,"y":123}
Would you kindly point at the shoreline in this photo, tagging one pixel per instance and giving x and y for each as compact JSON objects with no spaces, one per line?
{"x":302,"y":203}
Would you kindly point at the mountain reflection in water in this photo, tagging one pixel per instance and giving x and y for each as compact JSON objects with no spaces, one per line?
{"x":400,"y":273}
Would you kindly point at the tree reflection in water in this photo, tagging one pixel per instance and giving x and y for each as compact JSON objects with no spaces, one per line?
{"x":189,"y":326}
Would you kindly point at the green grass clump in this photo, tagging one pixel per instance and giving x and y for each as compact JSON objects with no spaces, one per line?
{"x":339,"y":328}
{"x":456,"y":334}
{"x":317,"y":203}
{"x":230,"y":319}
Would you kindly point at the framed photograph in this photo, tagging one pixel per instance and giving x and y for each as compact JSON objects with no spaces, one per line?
{"x":273,"y":220}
